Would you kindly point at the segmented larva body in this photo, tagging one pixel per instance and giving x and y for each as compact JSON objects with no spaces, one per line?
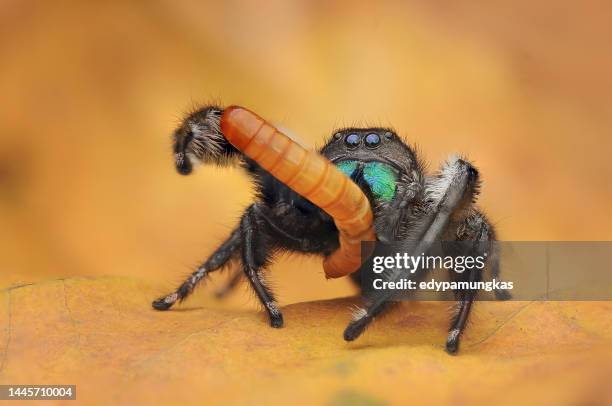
{"x":312,"y":176}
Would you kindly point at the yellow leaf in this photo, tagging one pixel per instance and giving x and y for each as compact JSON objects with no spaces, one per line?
{"x":102,"y":335}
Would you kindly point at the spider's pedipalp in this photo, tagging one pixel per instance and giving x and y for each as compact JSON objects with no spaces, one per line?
{"x":199,"y":140}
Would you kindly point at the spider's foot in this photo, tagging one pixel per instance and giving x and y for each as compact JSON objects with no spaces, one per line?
{"x":502,"y":294}
{"x":355,"y":328}
{"x":165,"y":302}
{"x":276,"y":317}
{"x":452,"y":342}
{"x":221,"y":293}
{"x":276,"y":321}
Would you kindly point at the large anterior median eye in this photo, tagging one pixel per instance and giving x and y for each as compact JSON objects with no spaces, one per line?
{"x":372,"y":140}
{"x":352,"y":140}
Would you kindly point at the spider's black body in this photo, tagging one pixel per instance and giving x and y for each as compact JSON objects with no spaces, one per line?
{"x":407,"y":205}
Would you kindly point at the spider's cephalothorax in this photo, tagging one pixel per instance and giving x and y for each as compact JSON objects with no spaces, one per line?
{"x":386,"y":169}
{"x":408,"y":205}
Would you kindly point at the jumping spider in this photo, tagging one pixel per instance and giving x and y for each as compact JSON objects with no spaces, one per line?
{"x":408,"y":205}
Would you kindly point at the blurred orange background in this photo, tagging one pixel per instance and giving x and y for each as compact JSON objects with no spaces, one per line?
{"x":91,"y":92}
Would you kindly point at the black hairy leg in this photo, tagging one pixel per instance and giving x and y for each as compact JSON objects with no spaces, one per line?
{"x":474,"y":228}
{"x":230,"y":285}
{"x":216,"y":261}
{"x":465,"y":298}
{"x":255,"y":255}
{"x":451,"y":192}
{"x":285,"y":226}
{"x":363,"y":317}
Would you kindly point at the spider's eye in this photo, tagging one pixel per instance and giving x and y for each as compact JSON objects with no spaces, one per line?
{"x":352,"y":140}
{"x":372,"y":140}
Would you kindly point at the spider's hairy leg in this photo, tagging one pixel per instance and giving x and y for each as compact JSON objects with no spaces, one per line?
{"x":465,"y":297}
{"x":462,"y":313}
{"x":255,"y":255}
{"x":363,"y":317}
{"x":216,"y":261}
{"x":475,"y":228}
{"x":230,"y":285}
{"x":199,"y":140}
{"x":451,"y":192}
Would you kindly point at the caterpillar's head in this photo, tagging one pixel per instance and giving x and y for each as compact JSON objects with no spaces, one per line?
{"x":198,"y":140}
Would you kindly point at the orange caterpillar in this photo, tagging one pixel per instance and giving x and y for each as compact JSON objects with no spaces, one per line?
{"x":310,"y":175}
